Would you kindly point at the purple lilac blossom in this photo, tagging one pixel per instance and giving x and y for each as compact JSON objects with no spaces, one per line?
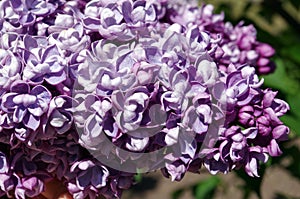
{"x":26,"y":105}
{"x":140,"y":84}
{"x":238,"y":44}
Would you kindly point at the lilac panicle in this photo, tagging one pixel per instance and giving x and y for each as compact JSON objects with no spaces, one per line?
{"x":94,"y":91}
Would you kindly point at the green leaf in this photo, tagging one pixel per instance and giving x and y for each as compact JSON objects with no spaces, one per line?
{"x":138,"y":177}
{"x":292,"y":122}
{"x":176,"y":194}
{"x":205,"y":189}
{"x":293,"y":117}
{"x":280,"y":80}
{"x":293,"y":53}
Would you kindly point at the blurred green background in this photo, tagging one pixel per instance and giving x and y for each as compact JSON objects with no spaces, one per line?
{"x":277,"y":23}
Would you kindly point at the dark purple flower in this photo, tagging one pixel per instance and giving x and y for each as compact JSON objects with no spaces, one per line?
{"x":89,"y":178}
{"x":60,"y":114}
{"x":235,"y":143}
{"x":214,"y":163}
{"x":176,"y":170}
{"x":26,"y":105}
{"x":239,"y":88}
{"x":8,"y":183}
{"x":92,"y":115}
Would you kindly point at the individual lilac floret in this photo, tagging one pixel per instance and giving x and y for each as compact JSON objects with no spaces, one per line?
{"x":106,"y":18}
{"x":176,"y":170}
{"x":10,"y":69}
{"x":132,"y":107}
{"x":235,"y":142}
{"x":8,"y":183}
{"x":140,"y":14}
{"x":62,"y":22}
{"x":239,"y":88}
{"x":119,"y":181}
{"x":10,"y":41}
{"x":90,"y":177}
{"x":254,"y":156}
{"x":29,"y":187}
{"x":93,"y":116}
{"x":71,"y":40}
{"x":43,"y":62}
{"x":214,"y":163}
{"x":60,"y":114}
{"x":26,"y":105}
{"x":29,"y":11}
{"x":9,"y":19}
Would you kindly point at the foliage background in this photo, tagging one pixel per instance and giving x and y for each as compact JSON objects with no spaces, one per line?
{"x":277,"y":23}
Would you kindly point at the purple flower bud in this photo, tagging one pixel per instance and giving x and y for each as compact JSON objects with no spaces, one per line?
{"x":265,"y":50}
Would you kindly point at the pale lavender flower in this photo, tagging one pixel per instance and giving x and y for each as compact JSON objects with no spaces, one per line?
{"x":10,"y":69}
{"x":9,"y":19}
{"x":43,"y":62}
{"x":71,"y":40}
{"x":106,"y":18}
{"x":139,"y":14}
{"x":30,"y":10}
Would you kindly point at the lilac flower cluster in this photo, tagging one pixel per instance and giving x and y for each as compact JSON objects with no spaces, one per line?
{"x":92,"y":92}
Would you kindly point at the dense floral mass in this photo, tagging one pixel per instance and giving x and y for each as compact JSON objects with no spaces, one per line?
{"x":94,"y":91}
